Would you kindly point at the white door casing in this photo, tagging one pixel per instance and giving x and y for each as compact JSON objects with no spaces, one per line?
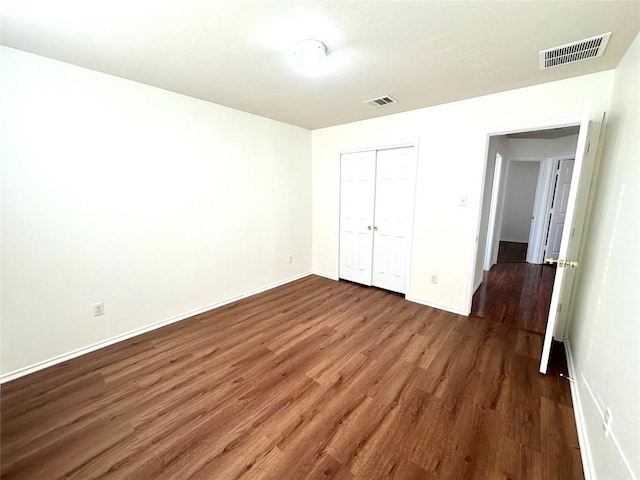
{"x":493,"y":234}
{"x":395,"y":185}
{"x":540,"y":220}
{"x":357,"y":193}
{"x":573,"y":226}
{"x":559,"y":206}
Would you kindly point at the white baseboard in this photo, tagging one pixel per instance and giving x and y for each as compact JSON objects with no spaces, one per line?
{"x":438,"y":306}
{"x":330,"y":277}
{"x":21,"y":372}
{"x":581,"y":425}
{"x":409,"y":298}
{"x":583,"y":441}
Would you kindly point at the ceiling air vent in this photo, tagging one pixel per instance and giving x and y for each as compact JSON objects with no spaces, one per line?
{"x":574,"y":52}
{"x":381,"y":101}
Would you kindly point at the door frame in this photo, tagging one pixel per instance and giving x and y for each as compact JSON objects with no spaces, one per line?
{"x":385,"y":146}
{"x":539,"y":226}
{"x":542,"y":206}
{"x":548,"y":124}
{"x":494,"y":210}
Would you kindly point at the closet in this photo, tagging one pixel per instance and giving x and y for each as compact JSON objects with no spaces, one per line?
{"x":376,"y":216}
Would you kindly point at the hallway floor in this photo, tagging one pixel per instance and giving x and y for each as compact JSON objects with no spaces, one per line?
{"x":512,"y":252}
{"x":516,"y":294}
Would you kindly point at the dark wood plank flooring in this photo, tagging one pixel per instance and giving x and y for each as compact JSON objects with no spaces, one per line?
{"x":512,"y":252}
{"x":516,"y":294}
{"x":315,"y":379}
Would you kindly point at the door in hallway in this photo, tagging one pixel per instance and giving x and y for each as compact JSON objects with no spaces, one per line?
{"x":559,"y":206}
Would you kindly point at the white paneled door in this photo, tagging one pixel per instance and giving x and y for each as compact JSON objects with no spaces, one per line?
{"x":395,"y":185}
{"x":559,"y":207}
{"x":357,"y":194}
{"x":376,"y":217}
{"x":569,"y":255}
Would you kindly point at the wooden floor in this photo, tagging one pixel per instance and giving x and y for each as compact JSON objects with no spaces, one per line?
{"x":315,"y":379}
{"x":512,"y":252}
{"x":516,"y":294}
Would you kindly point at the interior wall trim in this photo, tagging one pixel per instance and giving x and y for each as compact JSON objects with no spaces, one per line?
{"x":478,"y":283}
{"x":326,"y":275}
{"x":579,"y":400}
{"x":446,"y":308}
{"x":581,"y":427}
{"x":21,"y":372}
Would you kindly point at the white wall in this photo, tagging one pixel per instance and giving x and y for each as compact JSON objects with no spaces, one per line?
{"x":156,"y":203}
{"x":541,"y":148}
{"x":604,"y":336}
{"x":522,"y":180}
{"x":444,"y":234}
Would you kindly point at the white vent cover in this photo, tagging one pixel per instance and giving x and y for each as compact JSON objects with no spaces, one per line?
{"x":574,"y":52}
{"x":381,"y":101}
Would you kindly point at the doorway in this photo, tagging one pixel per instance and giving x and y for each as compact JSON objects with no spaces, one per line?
{"x":523,"y":195}
{"x":518,"y":210}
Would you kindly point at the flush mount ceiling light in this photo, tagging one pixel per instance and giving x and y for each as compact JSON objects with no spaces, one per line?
{"x":309,"y":56}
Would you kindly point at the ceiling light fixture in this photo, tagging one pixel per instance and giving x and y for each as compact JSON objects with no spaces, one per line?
{"x":309,"y":56}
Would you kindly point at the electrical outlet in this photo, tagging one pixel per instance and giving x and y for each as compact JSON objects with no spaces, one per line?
{"x":434,"y":279}
{"x":606,"y":424}
{"x":98,"y":309}
{"x":290,"y":258}
{"x":462,"y":201}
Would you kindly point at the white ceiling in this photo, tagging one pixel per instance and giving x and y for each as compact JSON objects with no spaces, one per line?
{"x":237,"y":53}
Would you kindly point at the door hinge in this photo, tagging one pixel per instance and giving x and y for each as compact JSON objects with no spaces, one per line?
{"x":588,"y":146}
{"x":573,"y":231}
{"x":559,"y":307}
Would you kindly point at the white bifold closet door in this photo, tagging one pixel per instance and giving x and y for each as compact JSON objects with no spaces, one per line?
{"x":357,"y":194}
{"x":376,"y":213}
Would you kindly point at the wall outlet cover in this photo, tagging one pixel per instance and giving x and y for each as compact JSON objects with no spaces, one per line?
{"x":98,"y":309}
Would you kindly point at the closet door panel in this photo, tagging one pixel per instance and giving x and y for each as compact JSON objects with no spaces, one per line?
{"x":394,"y":194}
{"x":357,"y":192}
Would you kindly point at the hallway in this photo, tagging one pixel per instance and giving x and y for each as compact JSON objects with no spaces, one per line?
{"x":516,"y":294}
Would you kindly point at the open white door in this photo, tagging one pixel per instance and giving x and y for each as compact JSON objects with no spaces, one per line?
{"x":572,"y":232}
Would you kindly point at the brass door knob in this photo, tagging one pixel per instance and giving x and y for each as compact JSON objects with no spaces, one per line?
{"x":562,"y":263}
{"x":368,"y":227}
{"x":375,"y":229}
